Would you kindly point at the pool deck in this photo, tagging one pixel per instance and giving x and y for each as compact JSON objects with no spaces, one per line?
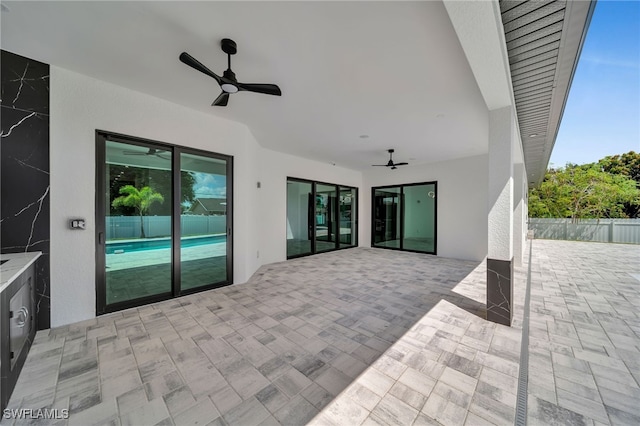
{"x":134,"y":259}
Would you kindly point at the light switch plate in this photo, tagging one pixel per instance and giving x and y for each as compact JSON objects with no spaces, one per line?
{"x":77,"y":223}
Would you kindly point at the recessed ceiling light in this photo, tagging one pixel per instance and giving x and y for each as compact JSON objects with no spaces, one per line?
{"x":364,"y":136}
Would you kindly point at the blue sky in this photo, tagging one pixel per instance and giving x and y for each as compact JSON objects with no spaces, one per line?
{"x":602,"y":115}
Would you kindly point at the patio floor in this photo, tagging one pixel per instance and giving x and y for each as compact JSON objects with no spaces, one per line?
{"x":358,"y":336}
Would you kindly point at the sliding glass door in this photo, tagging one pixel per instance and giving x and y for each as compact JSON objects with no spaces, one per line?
{"x":404,"y":217}
{"x":203,"y":221}
{"x":419,"y":217}
{"x":320,"y":217}
{"x":163,"y":221}
{"x":348,"y":213}
{"x":326,"y":226}
{"x":299,"y":218}
{"x":137,"y":212}
{"x":386,"y":221}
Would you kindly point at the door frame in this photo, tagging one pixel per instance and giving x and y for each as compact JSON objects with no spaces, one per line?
{"x":402,"y":208}
{"x":101,"y":137}
{"x":311,"y":214}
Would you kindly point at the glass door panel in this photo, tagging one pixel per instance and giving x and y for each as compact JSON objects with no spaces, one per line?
{"x":137,"y":224}
{"x":299,"y":218}
{"x":419,"y":218}
{"x":386,"y":217}
{"x":326,"y":225}
{"x":203,"y":221}
{"x":348,"y":216}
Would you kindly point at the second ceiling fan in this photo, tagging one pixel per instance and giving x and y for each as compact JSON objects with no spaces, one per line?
{"x":390,"y":163}
{"x":227,"y":81}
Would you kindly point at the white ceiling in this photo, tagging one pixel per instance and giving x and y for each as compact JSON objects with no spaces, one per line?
{"x":394,"y":71}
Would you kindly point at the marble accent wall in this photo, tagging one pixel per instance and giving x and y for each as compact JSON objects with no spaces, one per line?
{"x":500,"y":291}
{"x":24,"y":152}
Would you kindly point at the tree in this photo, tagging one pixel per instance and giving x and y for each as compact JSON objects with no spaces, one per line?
{"x":159,"y":180}
{"x":141,"y":199}
{"x":581,"y":192}
{"x":627,"y":164}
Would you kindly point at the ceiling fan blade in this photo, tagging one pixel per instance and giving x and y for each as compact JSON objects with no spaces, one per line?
{"x":393,"y":167}
{"x":267,"y":89}
{"x":401,"y":164}
{"x":221,"y":100}
{"x":380,"y":165}
{"x":195,"y":64}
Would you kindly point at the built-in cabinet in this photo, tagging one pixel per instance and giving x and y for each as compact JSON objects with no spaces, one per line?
{"x":17,"y":319}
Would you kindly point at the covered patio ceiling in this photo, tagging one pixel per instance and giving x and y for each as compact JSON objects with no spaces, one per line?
{"x":544,"y":40}
{"x":357,"y":77}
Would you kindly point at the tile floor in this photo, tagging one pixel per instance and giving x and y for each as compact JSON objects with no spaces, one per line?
{"x":362,"y":336}
{"x":584,"y":345}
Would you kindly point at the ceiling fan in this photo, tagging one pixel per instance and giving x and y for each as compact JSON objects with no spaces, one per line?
{"x":228,"y":82}
{"x":151,"y":151}
{"x":390,"y":163}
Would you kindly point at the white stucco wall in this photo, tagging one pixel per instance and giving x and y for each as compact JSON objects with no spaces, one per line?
{"x":274,"y":169}
{"x":80,"y":105}
{"x":461,"y":208}
{"x":500,"y":197}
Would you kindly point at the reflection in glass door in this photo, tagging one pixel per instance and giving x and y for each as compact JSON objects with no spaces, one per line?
{"x":137,"y":236}
{"x":348,"y":216}
{"x":386,"y":217}
{"x":325,"y":213}
{"x":404,"y":217}
{"x":299,"y":218}
{"x":203,"y":221}
{"x":418,"y":231}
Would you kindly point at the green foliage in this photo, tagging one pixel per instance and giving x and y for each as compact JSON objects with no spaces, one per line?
{"x":627,"y":165}
{"x":597,"y":190}
{"x":140,"y":199}
{"x":159,"y":180}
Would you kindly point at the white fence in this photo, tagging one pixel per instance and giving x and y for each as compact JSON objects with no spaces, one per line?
{"x":160,"y":226}
{"x":602,"y":230}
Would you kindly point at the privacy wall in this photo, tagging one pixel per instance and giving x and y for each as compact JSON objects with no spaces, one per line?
{"x":24,"y":115}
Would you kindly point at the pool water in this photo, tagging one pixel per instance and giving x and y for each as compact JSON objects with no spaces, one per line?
{"x":160,"y":243}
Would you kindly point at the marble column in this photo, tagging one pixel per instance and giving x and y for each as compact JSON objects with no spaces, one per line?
{"x":24,"y":152}
{"x":502,"y":141}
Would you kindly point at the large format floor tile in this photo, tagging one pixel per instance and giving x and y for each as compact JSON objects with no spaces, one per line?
{"x":277,"y":349}
{"x":359,"y":336}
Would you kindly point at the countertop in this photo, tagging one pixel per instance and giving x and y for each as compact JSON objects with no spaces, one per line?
{"x":17,"y":264}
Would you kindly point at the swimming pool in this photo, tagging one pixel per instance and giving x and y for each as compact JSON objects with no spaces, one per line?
{"x":160,"y":243}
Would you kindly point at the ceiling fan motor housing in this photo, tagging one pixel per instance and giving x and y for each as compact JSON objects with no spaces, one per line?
{"x":229,"y":46}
